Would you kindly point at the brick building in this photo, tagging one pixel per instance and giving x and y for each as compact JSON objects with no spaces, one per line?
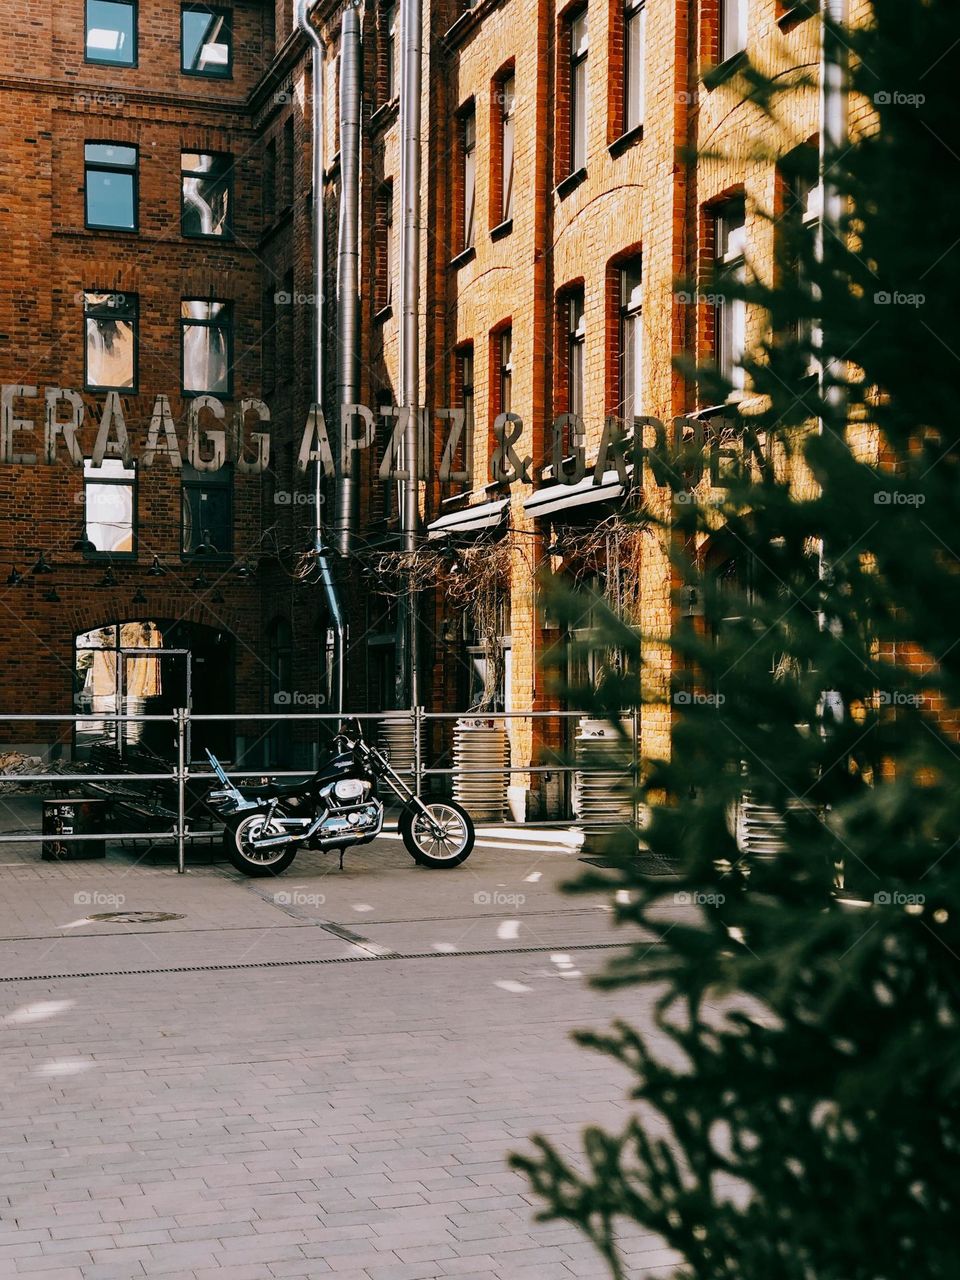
{"x":158,"y":210}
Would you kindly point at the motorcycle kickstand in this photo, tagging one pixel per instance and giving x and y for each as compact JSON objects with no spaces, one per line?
{"x":342,"y":852}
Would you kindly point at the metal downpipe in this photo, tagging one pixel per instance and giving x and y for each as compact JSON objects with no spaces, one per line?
{"x":324,"y":572}
{"x":411,"y":73}
{"x":348,"y":266}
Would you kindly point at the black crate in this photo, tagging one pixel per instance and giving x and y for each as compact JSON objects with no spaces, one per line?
{"x":75,"y":816}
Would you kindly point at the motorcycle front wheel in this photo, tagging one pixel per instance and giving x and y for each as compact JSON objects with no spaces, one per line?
{"x":239,"y":848}
{"x":444,"y":840}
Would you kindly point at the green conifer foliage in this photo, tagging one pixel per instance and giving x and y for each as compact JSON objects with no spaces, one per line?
{"x":796,"y":1092}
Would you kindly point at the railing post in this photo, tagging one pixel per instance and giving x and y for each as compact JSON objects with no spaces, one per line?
{"x":181,"y":719}
{"x":417,"y":749}
{"x":635,"y":722}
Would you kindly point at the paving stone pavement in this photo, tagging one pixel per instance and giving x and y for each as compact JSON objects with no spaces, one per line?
{"x":348,"y":1116}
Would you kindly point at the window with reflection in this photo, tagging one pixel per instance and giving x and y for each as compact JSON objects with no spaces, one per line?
{"x":110,"y":32}
{"x":730,"y":322}
{"x":206,"y":346}
{"x":634,"y":50}
{"x":578,"y":36}
{"x":110,"y":341}
{"x":576,"y":349}
{"x":508,"y":99}
{"x":110,"y":506}
{"x":207,"y":193}
{"x":206,"y":41}
{"x":505,"y":370}
{"x":206,"y":511}
{"x":110,"y":186}
{"x":631,"y":339}
{"x":733,"y":28}
{"x":468,"y":126}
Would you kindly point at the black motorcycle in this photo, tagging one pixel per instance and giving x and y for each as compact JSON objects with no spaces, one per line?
{"x":335,"y":809}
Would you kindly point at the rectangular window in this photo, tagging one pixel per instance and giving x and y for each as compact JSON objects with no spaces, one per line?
{"x":206,"y":347}
{"x":631,"y":340}
{"x":110,"y":184}
{"x":110,"y":506}
{"x":731,"y":311}
{"x":579,"y":45}
{"x":468,"y":124}
{"x":465,"y":373}
{"x":388,"y":18}
{"x":576,"y":351}
{"x":207,"y":194}
{"x":634,"y":49}
{"x":111,"y":32}
{"x":289,"y":163}
{"x":385,"y":250}
{"x":206,"y":511}
{"x":269,"y":177}
{"x":206,"y":41}
{"x":804,"y":210}
{"x":268,"y":341}
{"x":733,"y":28}
{"x":507,"y":109}
{"x":505,"y":362}
{"x":110,"y":341}
{"x":285,"y":329}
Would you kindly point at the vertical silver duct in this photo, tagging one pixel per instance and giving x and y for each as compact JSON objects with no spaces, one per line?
{"x":833,"y":128}
{"x":319,"y":270}
{"x":411,"y":71}
{"x":348,"y":264}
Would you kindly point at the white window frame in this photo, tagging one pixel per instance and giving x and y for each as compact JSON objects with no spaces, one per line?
{"x":634,"y":58}
{"x":730,"y":226}
{"x":468,"y":125}
{"x":734,"y":15}
{"x":579,"y":51}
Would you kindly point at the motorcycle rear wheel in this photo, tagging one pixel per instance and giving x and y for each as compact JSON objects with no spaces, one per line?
{"x":243,"y":855}
{"x":428,"y":849}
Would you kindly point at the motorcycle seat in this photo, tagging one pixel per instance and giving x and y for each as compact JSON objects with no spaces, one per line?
{"x":270,"y":789}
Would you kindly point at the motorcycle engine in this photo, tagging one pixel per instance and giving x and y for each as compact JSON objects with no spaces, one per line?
{"x":345,"y":791}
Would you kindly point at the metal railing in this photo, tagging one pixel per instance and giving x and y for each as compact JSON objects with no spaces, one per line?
{"x":183,"y":771}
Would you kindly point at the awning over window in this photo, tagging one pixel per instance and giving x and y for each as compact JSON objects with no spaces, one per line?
{"x":566,"y":497}
{"x":469,"y":520}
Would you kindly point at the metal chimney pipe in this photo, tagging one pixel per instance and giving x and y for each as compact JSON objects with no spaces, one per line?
{"x":319,"y":271}
{"x":411,"y":71}
{"x":348,"y":262}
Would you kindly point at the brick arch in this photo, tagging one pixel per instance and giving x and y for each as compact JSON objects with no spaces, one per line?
{"x":163,"y":606}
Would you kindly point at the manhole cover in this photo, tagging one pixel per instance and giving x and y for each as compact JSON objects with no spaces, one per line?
{"x":135,"y":917}
{"x":646,"y":864}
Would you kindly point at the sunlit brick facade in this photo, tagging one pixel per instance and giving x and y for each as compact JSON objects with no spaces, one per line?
{"x":561,"y":211}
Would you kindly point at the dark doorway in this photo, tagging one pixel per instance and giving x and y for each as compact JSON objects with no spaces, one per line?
{"x":108,"y":677}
